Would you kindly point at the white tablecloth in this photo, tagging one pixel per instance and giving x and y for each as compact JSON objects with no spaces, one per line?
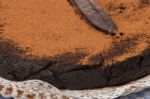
{"x":145,"y":94}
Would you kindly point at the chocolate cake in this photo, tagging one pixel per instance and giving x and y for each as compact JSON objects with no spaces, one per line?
{"x":49,"y":41}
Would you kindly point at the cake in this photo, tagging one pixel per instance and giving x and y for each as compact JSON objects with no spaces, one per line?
{"x":49,"y":41}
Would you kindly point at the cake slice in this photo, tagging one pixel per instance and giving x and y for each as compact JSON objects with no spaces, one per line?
{"x":47,"y":40}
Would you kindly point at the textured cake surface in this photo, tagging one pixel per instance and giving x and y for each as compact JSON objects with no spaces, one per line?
{"x":48,"y":40}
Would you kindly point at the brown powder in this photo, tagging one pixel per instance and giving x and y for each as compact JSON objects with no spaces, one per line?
{"x":51,"y":27}
{"x":129,"y":46}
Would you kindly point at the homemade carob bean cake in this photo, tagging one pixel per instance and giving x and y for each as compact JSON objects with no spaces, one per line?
{"x":48,"y":40}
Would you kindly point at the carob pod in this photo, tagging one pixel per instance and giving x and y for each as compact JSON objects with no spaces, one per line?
{"x":95,"y":15}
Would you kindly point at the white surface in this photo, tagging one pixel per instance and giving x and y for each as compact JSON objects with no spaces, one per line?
{"x":43,"y":90}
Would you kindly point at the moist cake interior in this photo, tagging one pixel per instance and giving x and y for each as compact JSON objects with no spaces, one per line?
{"x":48,"y":40}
